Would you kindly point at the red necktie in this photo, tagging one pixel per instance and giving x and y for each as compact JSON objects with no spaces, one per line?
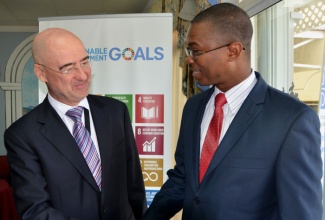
{"x":211,"y":141}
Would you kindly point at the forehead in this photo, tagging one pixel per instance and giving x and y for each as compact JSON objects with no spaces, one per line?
{"x":200,"y":33}
{"x":68,"y":51}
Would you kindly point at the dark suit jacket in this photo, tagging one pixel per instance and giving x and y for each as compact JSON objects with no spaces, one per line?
{"x":268,"y":165}
{"x":50,"y":177}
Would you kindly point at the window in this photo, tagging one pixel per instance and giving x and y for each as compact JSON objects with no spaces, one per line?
{"x":289,"y":47}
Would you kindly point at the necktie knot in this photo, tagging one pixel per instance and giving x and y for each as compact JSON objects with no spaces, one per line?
{"x":75,"y":114}
{"x":220,"y":100}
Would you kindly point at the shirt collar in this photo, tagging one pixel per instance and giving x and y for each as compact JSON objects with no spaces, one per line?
{"x":233,"y":93}
{"x":62,"y":108}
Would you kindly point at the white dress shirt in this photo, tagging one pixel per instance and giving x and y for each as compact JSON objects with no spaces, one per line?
{"x":62,"y":108}
{"x":235,"y":98}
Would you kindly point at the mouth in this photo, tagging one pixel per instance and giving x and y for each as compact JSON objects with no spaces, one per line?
{"x":196,"y":73}
{"x":82,"y":86}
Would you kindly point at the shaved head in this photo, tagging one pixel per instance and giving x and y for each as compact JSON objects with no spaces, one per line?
{"x":48,"y":41}
{"x":54,"y":49}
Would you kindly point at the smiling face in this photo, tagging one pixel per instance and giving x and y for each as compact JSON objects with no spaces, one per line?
{"x":55,"y":49}
{"x":218,"y":67}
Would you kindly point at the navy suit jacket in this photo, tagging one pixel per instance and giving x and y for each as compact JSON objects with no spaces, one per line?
{"x":268,"y":165}
{"x":50,"y":177}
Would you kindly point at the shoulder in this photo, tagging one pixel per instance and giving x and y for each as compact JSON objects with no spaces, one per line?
{"x":275,"y":99}
{"x":25,"y":126}
{"x":286,"y":101}
{"x":27,"y":118}
{"x":284,"y":108}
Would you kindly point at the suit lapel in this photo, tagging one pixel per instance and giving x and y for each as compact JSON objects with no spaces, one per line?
{"x":245,"y":116}
{"x":56,"y":132}
{"x":104,"y":137}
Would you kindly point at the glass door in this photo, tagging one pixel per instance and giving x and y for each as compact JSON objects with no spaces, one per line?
{"x":289,"y":47}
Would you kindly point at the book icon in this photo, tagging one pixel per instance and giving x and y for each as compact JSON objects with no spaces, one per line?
{"x":149,"y":108}
{"x":149,"y":113}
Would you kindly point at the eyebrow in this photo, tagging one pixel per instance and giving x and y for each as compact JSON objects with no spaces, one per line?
{"x":69,"y":64}
{"x":192,"y":44}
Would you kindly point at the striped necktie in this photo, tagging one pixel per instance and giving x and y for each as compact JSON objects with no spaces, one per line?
{"x":85,"y":143}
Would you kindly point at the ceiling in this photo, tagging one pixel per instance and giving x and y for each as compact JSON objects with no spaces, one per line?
{"x":26,"y":12}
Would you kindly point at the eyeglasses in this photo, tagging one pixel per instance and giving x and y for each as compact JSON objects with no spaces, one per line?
{"x":71,"y":68}
{"x":195,"y":55}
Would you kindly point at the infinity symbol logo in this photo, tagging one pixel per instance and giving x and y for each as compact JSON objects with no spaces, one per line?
{"x":153,"y":177}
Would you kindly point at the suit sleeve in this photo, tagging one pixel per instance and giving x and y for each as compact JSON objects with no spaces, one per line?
{"x":169,"y":200}
{"x":32,"y":199}
{"x":299,"y":170}
{"x":136,"y":189}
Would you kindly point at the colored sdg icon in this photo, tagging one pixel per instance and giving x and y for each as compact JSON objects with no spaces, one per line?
{"x":152,"y":172}
{"x":149,"y":108}
{"x":150,"y":140}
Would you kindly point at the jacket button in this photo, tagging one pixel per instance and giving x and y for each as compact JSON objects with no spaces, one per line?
{"x":103,"y":210}
{"x":196,"y":201}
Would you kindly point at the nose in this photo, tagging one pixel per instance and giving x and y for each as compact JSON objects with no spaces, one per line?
{"x":81,"y":73}
{"x":189,"y":59}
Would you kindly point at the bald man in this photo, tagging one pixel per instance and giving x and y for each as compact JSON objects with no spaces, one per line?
{"x":50,"y":176}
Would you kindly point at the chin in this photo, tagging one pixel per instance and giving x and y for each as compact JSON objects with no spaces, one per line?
{"x":204,"y":83}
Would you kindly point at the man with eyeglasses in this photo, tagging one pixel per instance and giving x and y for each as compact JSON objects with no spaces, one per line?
{"x":256,"y":155}
{"x":73,"y":156}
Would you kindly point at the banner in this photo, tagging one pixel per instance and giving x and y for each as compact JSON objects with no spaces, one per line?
{"x":132,"y":61}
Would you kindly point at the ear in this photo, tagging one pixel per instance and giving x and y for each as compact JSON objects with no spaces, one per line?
{"x":235,"y":49}
{"x":40,"y":72}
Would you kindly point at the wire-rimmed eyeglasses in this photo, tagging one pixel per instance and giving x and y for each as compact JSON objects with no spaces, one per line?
{"x":195,"y":54}
{"x":71,"y":68}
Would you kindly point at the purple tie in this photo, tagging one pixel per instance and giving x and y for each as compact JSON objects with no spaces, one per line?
{"x":85,"y":143}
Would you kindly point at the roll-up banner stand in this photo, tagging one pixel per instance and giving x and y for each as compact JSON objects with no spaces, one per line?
{"x":131,"y":57}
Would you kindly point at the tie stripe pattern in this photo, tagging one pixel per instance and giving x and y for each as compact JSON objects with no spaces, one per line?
{"x":211,"y":140}
{"x":85,"y":143}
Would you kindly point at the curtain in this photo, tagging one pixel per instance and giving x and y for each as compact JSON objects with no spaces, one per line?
{"x":181,"y":25}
